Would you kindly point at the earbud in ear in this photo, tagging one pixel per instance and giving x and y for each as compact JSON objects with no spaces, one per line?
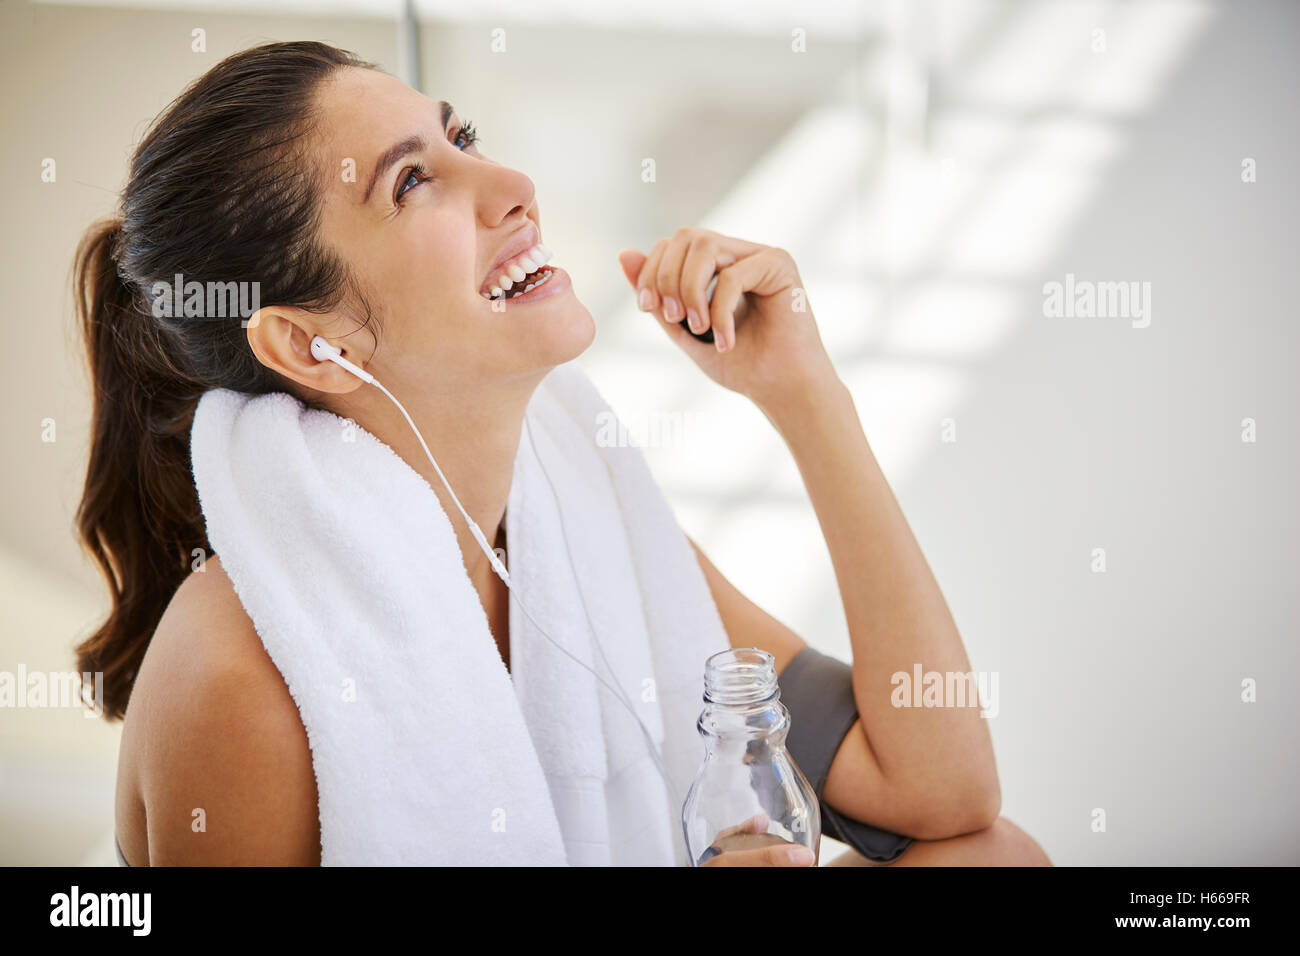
{"x":322,"y":351}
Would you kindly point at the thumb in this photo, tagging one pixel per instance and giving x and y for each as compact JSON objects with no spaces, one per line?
{"x":631,"y":261}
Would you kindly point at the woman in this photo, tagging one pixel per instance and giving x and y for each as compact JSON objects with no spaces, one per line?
{"x":370,"y":218}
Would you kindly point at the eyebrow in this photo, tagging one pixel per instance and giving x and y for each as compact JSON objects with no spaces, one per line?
{"x":409,"y":145}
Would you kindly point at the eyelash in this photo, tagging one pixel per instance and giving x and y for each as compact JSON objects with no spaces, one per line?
{"x":418,"y":171}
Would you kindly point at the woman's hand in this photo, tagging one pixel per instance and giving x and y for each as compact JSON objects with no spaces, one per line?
{"x":766,"y":342}
{"x":776,"y":853}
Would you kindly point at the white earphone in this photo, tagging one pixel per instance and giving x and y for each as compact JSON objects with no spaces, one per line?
{"x":324,"y":352}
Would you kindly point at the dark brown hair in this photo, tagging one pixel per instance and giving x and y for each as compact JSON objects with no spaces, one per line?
{"x":221,"y":189}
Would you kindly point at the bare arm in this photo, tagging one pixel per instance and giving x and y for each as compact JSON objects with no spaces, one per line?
{"x":924,"y":772}
{"x":936,"y":763}
{"x":226,"y":774}
{"x":856,"y":784}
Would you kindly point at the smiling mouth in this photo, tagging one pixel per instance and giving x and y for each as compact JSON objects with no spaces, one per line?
{"x":520,"y":275}
{"x":530,"y":282}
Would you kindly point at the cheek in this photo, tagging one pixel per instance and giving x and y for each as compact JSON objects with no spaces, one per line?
{"x":438,"y":261}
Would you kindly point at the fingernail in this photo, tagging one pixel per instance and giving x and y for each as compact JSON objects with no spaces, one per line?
{"x":672,"y":310}
{"x":693,"y":317}
{"x":799,"y":855}
{"x":719,"y":341}
{"x":645,"y":300}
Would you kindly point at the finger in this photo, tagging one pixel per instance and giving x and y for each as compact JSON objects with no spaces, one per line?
{"x":647,"y":299}
{"x":731,"y":249}
{"x":669,"y":275}
{"x":755,"y":824}
{"x":726,"y":296}
{"x":786,"y":855}
{"x":697,"y":269}
{"x":631,"y":262}
{"x":759,"y":273}
{"x":682,"y":338}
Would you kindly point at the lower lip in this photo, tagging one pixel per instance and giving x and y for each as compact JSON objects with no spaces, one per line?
{"x":557,"y":283}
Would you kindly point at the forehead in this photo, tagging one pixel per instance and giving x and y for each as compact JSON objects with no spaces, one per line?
{"x":363,"y":112}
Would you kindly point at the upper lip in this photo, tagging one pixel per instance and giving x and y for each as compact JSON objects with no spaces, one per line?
{"x":520,"y":242}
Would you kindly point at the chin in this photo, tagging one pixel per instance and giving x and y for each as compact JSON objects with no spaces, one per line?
{"x":563,"y":336}
{"x":546,"y":333}
{"x":563,"y":332}
{"x":579,"y":330}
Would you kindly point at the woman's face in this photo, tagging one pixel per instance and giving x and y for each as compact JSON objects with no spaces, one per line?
{"x":423,"y":218}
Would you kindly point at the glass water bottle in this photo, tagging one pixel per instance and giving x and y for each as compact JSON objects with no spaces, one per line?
{"x":748,"y":793}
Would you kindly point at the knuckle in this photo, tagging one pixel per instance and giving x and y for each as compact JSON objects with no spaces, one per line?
{"x":694,"y":294}
{"x":657,"y":250}
{"x":649,"y":267}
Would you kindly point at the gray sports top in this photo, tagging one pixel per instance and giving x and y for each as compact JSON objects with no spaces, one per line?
{"x":818,"y":691}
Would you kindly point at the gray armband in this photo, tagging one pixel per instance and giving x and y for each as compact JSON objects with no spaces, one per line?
{"x":817,"y":690}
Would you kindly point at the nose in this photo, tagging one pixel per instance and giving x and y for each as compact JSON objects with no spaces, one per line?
{"x":504,"y":194}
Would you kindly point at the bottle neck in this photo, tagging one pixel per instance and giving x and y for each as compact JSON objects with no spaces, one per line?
{"x":741,"y":677}
{"x":742,"y":701}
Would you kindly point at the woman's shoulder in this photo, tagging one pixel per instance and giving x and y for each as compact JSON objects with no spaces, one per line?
{"x":205,"y":647}
{"x":213,"y":734}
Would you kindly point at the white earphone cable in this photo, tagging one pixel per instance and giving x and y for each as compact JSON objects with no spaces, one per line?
{"x":323,"y":351}
{"x":619,"y":691}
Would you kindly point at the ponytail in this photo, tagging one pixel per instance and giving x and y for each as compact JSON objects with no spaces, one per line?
{"x":222,"y":188}
{"x":139,"y":515}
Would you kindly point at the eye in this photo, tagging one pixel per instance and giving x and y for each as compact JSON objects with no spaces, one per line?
{"x":413,"y":176}
{"x":468,"y":133}
{"x":465,"y":137}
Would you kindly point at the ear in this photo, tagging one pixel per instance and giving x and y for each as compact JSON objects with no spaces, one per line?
{"x":280,"y":337}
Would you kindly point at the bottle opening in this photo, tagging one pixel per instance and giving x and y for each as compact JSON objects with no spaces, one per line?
{"x":743,"y":675}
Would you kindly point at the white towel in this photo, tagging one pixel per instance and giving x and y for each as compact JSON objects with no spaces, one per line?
{"x":425,"y":749}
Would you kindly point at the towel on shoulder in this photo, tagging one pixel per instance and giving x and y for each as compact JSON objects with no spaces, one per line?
{"x":426,"y":750}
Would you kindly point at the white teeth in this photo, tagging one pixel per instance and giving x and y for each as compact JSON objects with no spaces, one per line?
{"x":531,"y":286}
{"x":531,"y":261}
